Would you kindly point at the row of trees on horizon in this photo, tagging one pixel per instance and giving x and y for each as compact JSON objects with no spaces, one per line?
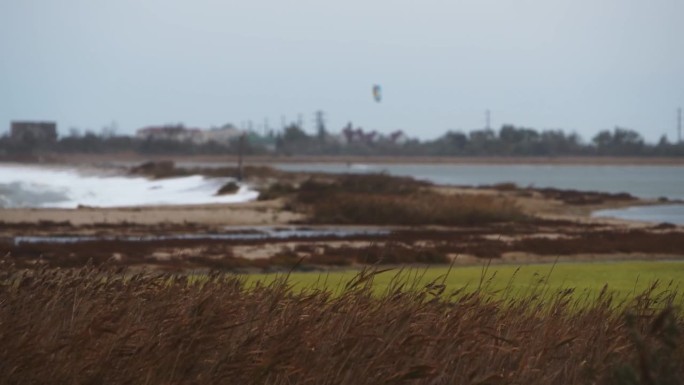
{"x":509,"y":140}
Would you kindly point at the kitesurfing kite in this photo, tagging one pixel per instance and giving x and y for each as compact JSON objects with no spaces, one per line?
{"x":377,"y":93}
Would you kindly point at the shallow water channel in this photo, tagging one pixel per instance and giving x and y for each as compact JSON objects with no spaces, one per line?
{"x":242,"y":233}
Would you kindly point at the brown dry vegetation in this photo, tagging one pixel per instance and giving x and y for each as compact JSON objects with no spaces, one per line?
{"x":379,"y":199}
{"x":99,"y":326}
{"x":569,"y":197}
{"x":589,"y":242}
{"x":406,"y":246}
{"x":574,"y":197}
{"x":276,"y":190}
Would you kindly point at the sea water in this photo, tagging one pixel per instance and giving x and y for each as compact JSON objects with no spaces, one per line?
{"x":250,"y":233}
{"x":657,"y":214}
{"x":33,"y":186}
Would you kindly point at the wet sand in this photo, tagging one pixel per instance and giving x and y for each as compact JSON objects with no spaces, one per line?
{"x":238,"y":214}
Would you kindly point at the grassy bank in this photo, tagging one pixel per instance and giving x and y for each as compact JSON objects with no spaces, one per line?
{"x":100,"y":326}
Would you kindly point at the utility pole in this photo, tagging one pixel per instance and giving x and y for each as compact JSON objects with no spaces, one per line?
{"x":488,"y":119}
{"x":679,"y":125}
{"x":320,"y":125}
{"x":241,"y":148}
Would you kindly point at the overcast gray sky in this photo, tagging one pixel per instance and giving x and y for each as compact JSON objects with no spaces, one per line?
{"x":579,"y":65}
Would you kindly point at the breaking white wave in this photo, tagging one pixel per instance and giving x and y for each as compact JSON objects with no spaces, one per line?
{"x":30,"y":186}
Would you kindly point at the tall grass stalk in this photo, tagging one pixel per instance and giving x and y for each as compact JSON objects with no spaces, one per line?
{"x":95,"y":325}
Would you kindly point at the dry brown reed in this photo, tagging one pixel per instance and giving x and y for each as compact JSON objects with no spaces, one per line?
{"x":93,"y":325}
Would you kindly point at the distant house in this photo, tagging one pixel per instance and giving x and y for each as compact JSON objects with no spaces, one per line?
{"x":33,"y":132}
{"x":223,"y":135}
{"x":180,"y":133}
{"x":177,"y":133}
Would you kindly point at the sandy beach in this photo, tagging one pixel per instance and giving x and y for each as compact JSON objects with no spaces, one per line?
{"x":559,"y":227}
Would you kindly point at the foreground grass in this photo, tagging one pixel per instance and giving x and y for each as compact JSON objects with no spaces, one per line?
{"x":623,"y":279}
{"x":93,"y":325}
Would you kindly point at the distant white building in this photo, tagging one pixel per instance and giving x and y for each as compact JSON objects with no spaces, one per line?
{"x":33,"y":131}
{"x":338,"y":139}
{"x":180,"y":133}
{"x":222,"y":135}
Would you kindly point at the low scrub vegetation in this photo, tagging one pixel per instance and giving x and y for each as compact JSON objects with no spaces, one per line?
{"x":380,"y":199}
{"x":276,"y":190}
{"x":100,"y":326}
{"x":427,"y":208}
{"x":567,"y":196}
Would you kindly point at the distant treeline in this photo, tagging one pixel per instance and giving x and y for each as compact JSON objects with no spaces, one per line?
{"x":511,"y":140}
{"x":92,"y":143}
{"x":507,"y":141}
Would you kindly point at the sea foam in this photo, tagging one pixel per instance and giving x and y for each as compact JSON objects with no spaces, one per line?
{"x":32,"y":186}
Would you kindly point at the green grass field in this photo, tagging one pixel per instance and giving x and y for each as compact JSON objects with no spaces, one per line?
{"x":624,"y":279}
